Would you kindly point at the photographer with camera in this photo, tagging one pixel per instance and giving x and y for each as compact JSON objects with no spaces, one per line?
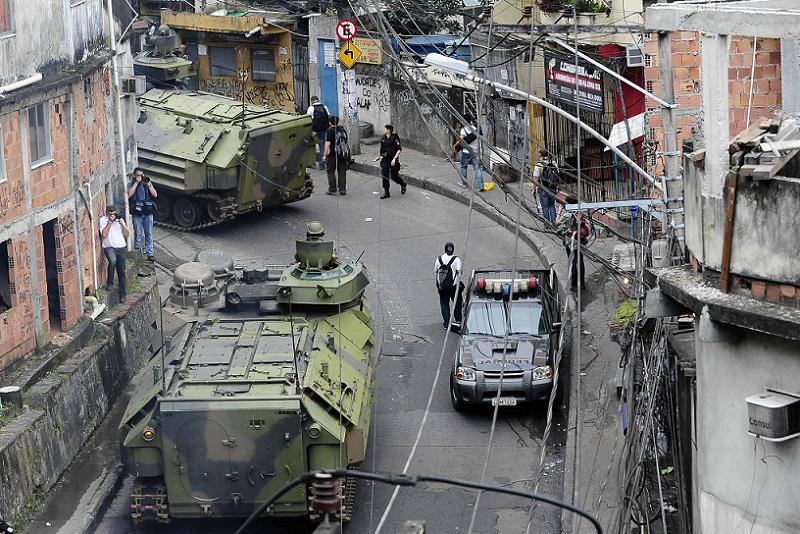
{"x":114,"y":233}
{"x":141,"y":194}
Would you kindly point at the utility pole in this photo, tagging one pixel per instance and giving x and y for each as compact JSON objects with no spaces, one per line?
{"x":348,"y":99}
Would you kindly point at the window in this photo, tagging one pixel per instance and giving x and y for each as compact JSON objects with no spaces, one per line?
{"x":5,"y":277}
{"x":648,"y":60}
{"x":88,"y":92}
{"x":489,"y":318}
{"x":223,"y":61}
{"x":6,"y":21}
{"x":263,"y":64}
{"x":39,"y":133}
{"x":649,"y":85}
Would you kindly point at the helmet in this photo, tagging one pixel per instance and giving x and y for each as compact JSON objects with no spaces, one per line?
{"x":314,"y":230}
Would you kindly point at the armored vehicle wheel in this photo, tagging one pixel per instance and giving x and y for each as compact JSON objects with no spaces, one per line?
{"x":185,"y":212}
{"x":149,"y":501}
{"x":215,"y":210}
{"x":163,"y":207}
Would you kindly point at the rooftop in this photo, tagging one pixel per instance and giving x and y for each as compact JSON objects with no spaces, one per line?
{"x":699,"y":290}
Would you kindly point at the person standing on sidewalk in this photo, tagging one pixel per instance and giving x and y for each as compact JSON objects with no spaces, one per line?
{"x":547,"y":179}
{"x":337,"y":157}
{"x":469,"y":138}
{"x":447,"y":268}
{"x":390,"y":164}
{"x":114,"y":233}
{"x":141,"y":195}
{"x":571,"y":227}
{"x":320,"y":117}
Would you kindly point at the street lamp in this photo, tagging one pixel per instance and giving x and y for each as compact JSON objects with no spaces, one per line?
{"x":461,"y":68}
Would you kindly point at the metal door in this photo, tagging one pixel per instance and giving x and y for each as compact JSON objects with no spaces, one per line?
{"x":327,"y":75}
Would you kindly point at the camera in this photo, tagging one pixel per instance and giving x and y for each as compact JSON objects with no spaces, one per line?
{"x":146,"y":179}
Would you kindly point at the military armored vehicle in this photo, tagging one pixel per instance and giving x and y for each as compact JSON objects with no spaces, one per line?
{"x":161,"y":61}
{"x":274,"y":377}
{"x":211,"y":158}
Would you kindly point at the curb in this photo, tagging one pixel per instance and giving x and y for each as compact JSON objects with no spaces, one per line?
{"x":530,"y":239}
{"x":96,"y":505}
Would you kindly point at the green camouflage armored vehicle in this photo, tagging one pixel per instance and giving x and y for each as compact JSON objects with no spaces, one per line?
{"x":209,"y":163}
{"x":163,"y":61}
{"x":275,"y":377}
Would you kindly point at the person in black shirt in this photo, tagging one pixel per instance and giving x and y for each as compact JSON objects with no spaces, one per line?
{"x":337,"y":157}
{"x":390,"y":166}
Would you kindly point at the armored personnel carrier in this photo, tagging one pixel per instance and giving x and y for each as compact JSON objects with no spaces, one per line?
{"x":211,"y":158}
{"x":274,"y":376}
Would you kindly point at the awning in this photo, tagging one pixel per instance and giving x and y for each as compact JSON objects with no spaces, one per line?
{"x":619,"y":133}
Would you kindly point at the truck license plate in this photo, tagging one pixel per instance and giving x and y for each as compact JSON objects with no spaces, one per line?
{"x":504,"y":401}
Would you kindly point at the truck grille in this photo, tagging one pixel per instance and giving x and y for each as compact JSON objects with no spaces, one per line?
{"x":509,"y":374}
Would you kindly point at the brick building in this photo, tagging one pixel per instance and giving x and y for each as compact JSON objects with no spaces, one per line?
{"x":58,"y":167}
{"x":765,"y":74}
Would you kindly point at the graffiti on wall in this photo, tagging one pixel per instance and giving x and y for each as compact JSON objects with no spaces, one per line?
{"x":276,"y":95}
{"x":372,"y":93}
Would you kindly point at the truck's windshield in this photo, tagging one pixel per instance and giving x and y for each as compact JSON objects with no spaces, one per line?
{"x":489,"y":318}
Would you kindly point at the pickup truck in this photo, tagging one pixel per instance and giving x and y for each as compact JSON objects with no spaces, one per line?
{"x":530,"y":345}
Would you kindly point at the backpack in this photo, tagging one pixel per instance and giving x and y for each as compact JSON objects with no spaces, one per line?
{"x":320,"y":120}
{"x":444,"y":276}
{"x":550,"y":177}
{"x":341,"y":146}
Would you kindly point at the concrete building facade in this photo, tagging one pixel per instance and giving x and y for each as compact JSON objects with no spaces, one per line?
{"x":58,"y":167}
{"x":223,"y":46}
{"x":742,"y":283}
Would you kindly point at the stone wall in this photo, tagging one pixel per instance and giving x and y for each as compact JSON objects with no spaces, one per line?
{"x":66,"y":406}
{"x":420,"y":127}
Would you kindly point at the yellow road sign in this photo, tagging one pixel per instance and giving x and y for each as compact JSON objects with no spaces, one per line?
{"x":349,"y":54}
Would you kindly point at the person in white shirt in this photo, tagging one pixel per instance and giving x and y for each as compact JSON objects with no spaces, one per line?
{"x":447,"y":268}
{"x":114,"y":233}
{"x":320,"y":119}
{"x":468,"y":136}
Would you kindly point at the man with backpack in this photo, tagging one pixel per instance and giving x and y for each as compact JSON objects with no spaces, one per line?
{"x":141,"y":195}
{"x":337,"y":157}
{"x":320,"y":119}
{"x":447,"y":268}
{"x":548,"y":179}
{"x":468,"y":137}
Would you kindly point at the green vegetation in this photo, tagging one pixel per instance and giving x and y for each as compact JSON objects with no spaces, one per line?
{"x":436,"y":16}
{"x":624,"y":315}
{"x":581,"y":6}
{"x":5,"y":416}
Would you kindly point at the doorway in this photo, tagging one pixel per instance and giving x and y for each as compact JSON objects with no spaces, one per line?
{"x":51,"y":273}
{"x":327,"y":76}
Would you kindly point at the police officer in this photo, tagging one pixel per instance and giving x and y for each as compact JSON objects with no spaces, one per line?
{"x":390,"y":164}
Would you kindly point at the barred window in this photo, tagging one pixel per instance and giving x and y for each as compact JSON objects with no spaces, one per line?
{"x":39,"y":133}
{"x":223,"y":61}
{"x":262,"y":62}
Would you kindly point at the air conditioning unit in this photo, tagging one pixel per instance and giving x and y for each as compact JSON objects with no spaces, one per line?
{"x":634,"y":55}
{"x":133,"y":85}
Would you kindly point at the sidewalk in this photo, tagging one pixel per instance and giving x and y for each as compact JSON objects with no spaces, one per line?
{"x":601,"y":434}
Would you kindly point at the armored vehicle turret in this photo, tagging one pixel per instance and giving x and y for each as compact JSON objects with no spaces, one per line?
{"x":272,"y":377}
{"x":164,"y":61}
{"x":211,"y":158}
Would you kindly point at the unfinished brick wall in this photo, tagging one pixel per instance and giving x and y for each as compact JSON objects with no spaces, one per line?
{"x":16,"y":325}
{"x":12,"y":191}
{"x":88,"y":225}
{"x":686,"y":59}
{"x":70,"y":294}
{"x":52,"y":181}
{"x":90,"y":127}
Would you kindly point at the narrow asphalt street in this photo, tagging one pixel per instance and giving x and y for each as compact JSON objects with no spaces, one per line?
{"x":399,"y":238}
